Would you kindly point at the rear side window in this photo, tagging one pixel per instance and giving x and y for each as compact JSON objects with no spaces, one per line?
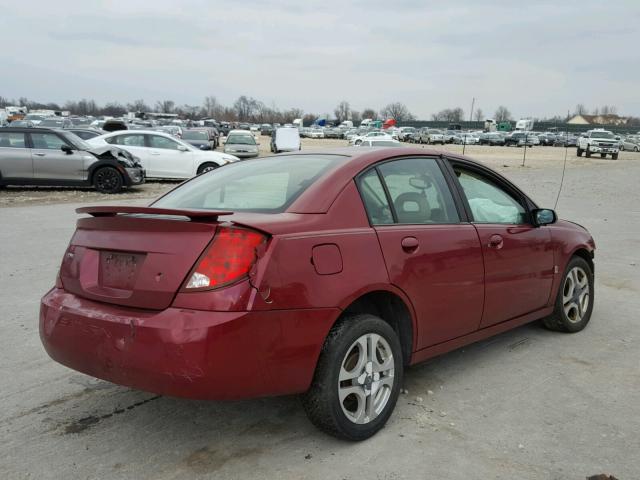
{"x":416,"y":193}
{"x":419,"y":192}
{"x":130,"y":140}
{"x":374,"y":198}
{"x":11,"y":140}
{"x":265,"y":185}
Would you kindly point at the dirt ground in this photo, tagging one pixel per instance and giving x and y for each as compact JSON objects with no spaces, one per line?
{"x":528,"y":404}
{"x":497,"y":157}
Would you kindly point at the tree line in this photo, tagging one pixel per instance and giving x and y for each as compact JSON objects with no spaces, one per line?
{"x":249,"y":109}
{"x":244,"y":109}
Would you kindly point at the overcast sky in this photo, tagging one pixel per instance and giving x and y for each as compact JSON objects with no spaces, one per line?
{"x":538,"y":58}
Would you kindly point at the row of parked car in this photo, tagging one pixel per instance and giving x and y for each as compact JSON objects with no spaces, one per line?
{"x":56,"y":151}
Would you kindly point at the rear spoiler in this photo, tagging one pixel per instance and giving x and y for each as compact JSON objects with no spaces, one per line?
{"x":193,"y":215}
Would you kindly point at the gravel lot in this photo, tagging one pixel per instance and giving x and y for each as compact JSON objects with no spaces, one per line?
{"x":528,"y":404}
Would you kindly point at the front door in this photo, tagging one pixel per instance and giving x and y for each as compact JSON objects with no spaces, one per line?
{"x":429,"y":253}
{"x":518,"y":256}
{"x":51,"y":163}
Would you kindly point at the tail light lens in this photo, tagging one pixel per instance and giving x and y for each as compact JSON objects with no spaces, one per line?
{"x":228,"y":258}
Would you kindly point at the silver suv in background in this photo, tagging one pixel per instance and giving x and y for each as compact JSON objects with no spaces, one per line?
{"x":52,"y":157}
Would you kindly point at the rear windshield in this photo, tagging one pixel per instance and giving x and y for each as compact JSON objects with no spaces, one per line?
{"x":264,"y":185}
{"x":194,"y":135}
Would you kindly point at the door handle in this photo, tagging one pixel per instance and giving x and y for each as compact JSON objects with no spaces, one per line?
{"x":496,"y":242}
{"x":409,"y":244}
{"x":39,"y":154}
{"x":155,"y":153}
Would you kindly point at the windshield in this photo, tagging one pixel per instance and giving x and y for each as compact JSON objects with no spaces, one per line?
{"x":194,"y":135}
{"x":265,"y":185}
{"x":241,"y":140}
{"x":34,"y":117}
{"x":77,"y":142}
{"x":604,"y":135}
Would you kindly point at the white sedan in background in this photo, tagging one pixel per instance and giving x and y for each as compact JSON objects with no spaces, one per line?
{"x":162,"y":155}
{"x":358,"y":139}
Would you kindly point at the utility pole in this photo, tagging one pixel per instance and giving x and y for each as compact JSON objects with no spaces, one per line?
{"x":473,"y":102}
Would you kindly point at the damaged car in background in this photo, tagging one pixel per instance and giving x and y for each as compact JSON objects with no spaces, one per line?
{"x":54,"y":157}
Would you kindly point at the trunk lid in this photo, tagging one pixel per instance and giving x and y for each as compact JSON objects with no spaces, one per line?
{"x":135,"y":256}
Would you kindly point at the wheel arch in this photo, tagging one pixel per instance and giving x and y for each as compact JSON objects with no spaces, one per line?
{"x":391,"y":306}
{"x":585,"y":254}
{"x":95,"y":166}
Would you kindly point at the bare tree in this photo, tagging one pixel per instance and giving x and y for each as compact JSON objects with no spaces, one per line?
{"x":449,"y":115}
{"x":342,"y":111}
{"x":4,"y":102}
{"x":138,"y":106}
{"x":113,"y":109}
{"x":479,"y":115}
{"x":165,"y":106}
{"x":245,"y":107}
{"x":502,"y":114}
{"x":608,"y":110}
{"x":211,"y":106}
{"x":580,"y":110}
{"x":398,"y":111}
{"x":369,"y":113}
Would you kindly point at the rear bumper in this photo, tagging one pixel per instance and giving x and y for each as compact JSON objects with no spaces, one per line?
{"x":186,"y":353}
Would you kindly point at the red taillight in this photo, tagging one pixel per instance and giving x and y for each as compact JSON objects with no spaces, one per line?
{"x":229,"y":258}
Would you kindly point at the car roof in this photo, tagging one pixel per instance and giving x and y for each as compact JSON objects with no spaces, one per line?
{"x":321,"y":194}
{"x":241,"y":132}
{"x":31,"y":129}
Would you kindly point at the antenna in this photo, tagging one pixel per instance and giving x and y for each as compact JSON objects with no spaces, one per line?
{"x":564,"y":166}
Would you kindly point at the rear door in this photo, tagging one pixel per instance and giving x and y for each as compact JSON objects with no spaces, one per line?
{"x":51,"y":163}
{"x":431,"y":253}
{"x":518,"y":256}
{"x":134,"y":143}
{"x":15,"y":157}
{"x":168,"y":160}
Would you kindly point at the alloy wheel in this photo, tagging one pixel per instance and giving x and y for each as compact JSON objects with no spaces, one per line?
{"x":576,"y":295}
{"x":366,"y":378}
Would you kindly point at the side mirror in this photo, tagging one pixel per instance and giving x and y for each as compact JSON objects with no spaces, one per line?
{"x":182,"y":148}
{"x":66,"y":149}
{"x":544,"y":216}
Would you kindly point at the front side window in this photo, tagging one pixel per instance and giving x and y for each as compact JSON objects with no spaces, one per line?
{"x":11,"y":140}
{"x":489,"y":203}
{"x":156,"y":141}
{"x":47,"y":141}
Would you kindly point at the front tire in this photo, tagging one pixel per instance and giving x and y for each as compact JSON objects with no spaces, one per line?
{"x":207,"y":167}
{"x":574,"y":302}
{"x":587,"y":153}
{"x":579,"y":152}
{"x":357,"y":379}
{"x":107,"y":180}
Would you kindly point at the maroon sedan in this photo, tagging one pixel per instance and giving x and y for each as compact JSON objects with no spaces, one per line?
{"x":322,"y":274}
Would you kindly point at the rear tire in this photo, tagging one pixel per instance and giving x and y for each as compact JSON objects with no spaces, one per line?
{"x":574,"y":302}
{"x":207,"y":167}
{"x":357,"y":380}
{"x":107,"y":180}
